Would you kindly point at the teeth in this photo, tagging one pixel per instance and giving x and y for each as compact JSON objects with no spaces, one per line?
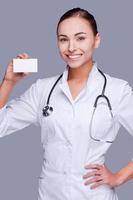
{"x":74,"y":56}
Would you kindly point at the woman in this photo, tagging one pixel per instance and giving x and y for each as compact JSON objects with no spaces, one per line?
{"x":77,"y":125}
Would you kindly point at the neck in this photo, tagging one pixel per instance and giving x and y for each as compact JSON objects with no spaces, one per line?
{"x":81,"y":73}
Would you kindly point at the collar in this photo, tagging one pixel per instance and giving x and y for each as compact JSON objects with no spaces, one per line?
{"x":92,"y":73}
{"x":64,"y":84}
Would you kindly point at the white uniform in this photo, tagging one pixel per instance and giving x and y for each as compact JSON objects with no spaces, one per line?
{"x":65,"y":133}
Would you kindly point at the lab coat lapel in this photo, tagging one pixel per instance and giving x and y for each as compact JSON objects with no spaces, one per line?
{"x":92,"y":83}
{"x":64,"y":85}
{"x":94,"y":80}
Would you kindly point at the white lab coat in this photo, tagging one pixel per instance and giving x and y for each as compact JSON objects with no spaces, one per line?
{"x":65,"y":133}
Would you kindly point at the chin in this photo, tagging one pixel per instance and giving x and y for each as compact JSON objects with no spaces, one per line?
{"x":74,"y":66}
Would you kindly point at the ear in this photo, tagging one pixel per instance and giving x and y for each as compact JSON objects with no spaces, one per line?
{"x":97,"y":40}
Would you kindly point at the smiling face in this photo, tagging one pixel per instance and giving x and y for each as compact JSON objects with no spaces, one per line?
{"x":76,"y":41}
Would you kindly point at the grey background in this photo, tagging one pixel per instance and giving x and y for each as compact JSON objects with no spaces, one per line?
{"x":29,"y":26}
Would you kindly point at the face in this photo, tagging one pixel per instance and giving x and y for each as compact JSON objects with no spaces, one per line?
{"x":76,"y":41}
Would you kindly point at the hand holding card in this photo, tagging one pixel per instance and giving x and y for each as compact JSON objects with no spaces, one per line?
{"x":25,"y":65}
{"x":19,"y":67}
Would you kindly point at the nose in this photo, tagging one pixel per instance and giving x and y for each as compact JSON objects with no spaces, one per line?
{"x":71,"y":46}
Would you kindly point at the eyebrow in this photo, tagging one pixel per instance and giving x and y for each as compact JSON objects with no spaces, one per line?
{"x":74,"y":34}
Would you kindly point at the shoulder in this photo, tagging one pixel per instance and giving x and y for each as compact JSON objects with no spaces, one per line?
{"x":116,"y":84}
{"x":46,"y":81}
{"x":118,"y":89}
{"x":42,"y":86}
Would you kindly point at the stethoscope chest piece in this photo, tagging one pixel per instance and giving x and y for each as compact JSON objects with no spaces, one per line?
{"x":47,"y":110}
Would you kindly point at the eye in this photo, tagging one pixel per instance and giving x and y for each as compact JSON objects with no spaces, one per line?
{"x":81,"y":38}
{"x":63,"y":39}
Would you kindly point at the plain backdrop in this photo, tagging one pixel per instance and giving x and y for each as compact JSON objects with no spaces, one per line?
{"x":30,"y":26}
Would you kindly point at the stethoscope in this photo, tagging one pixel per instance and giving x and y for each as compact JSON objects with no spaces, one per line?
{"x":47,"y":110}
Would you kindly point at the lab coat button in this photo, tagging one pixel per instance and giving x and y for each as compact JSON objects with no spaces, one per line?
{"x":68,"y":143}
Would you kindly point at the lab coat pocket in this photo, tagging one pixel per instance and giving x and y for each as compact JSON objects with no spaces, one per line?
{"x":53,"y":125}
{"x":102,"y":125}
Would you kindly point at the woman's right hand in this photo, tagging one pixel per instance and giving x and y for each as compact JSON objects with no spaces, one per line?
{"x":14,"y":77}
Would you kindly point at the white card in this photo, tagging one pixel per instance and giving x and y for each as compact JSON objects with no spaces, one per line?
{"x":25,"y":65}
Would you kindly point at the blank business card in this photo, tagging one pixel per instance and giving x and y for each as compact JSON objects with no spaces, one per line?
{"x":25,"y":65}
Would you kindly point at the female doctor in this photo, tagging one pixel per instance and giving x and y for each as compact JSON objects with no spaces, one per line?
{"x":80,"y":113}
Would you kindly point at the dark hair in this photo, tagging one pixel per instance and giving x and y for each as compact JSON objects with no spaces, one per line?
{"x":79,"y":12}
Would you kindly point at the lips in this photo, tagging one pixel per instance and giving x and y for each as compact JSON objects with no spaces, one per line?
{"x":75,"y":56}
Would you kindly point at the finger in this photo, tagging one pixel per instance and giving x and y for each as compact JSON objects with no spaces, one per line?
{"x":20,"y":55}
{"x":26,"y":73}
{"x":93,"y":180}
{"x":93,"y":166}
{"x":93,"y":173}
{"x":97,"y":184}
{"x":23,"y":56}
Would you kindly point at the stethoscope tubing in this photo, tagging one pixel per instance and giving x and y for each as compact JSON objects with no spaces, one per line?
{"x":47,"y":110}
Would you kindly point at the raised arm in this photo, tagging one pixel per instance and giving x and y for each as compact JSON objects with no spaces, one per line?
{"x":22,"y":111}
{"x":10,"y":80}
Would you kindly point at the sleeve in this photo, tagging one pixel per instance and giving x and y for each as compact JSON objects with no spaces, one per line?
{"x":125,"y":109}
{"x":21,"y":111}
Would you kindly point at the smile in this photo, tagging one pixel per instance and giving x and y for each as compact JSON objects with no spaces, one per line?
{"x":73,"y":57}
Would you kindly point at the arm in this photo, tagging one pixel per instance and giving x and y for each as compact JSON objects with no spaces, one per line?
{"x":9,"y":81}
{"x":5,"y":90}
{"x":21,"y":111}
{"x":126,"y":173}
{"x":99,"y":174}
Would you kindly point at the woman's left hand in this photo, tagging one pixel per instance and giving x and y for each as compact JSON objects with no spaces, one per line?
{"x":100,"y":175}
